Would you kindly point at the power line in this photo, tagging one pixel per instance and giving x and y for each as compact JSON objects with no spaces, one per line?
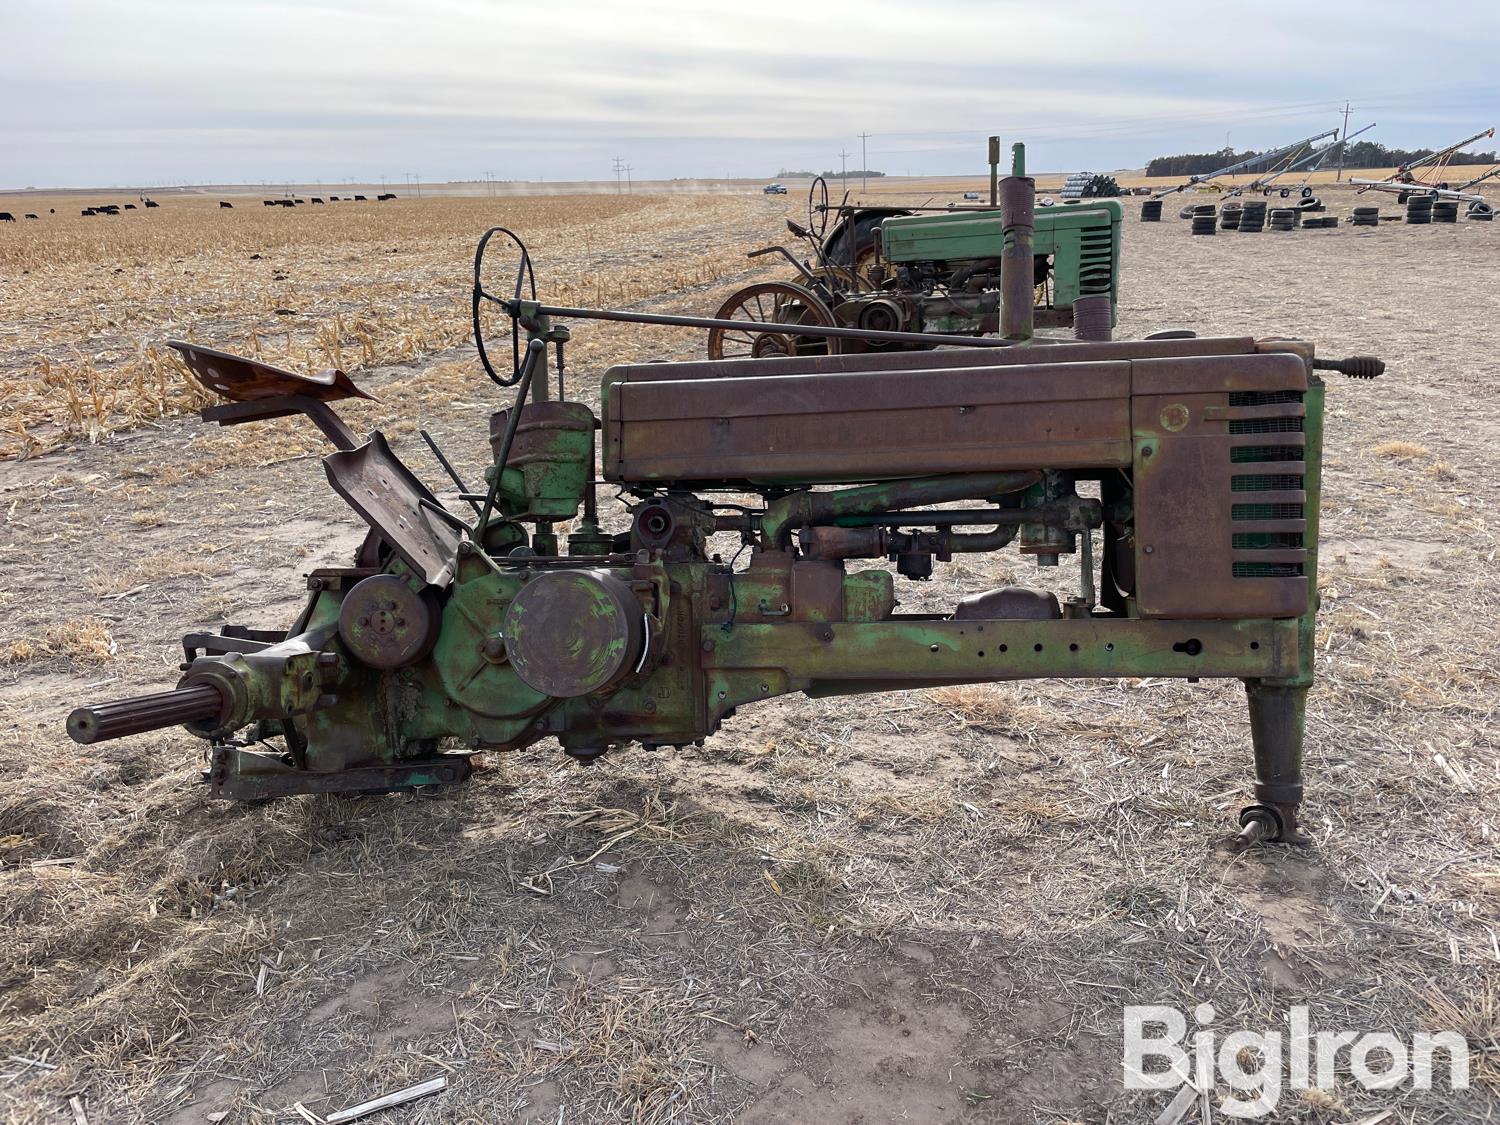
{"x":864,"y":161}
{"x":844,"y":166}
{"x":1342,"y":137}
{"x":619,"y":167}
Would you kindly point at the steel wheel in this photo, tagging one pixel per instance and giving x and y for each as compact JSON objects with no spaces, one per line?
{"x":771,"y":302}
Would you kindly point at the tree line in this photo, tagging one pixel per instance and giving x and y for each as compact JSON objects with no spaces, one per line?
{"x":851,"y":174}
{"x":1360,"y":154}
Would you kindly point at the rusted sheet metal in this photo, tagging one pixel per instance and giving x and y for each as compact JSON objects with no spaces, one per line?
{"x":971,"y":651}
{"x":1280,"y":371}
{"x":938,"y":362}
{"x":861,"y":426}
{"x":398,"y":506}
{"x":1221,"y":491}
{"x":245,"y":380}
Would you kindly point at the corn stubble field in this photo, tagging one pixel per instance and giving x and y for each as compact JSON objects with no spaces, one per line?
{"x":925,"y":906}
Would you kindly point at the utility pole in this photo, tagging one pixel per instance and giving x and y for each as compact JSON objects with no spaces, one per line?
{"x":864,"y":162}
{"x":844,"y":166}
{"x":618,"y":168}
{"x":629,"y":188}
{"x":1342,"y":136}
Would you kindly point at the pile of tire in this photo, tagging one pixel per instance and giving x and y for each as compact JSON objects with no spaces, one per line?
{"x":1419,"y":210}
{"x":1310,"y":203}
{"x":1283,"y":218}
{"x":1319,"y":222}
{"x":1151,"y":211}
{"x":1445,"y":211}
{"x":1480,"y":211}
{"x":1252,"y":217}
{"x":1229,"y":216}
{"x":1366,"y":217}
{"x":1205,"y":219}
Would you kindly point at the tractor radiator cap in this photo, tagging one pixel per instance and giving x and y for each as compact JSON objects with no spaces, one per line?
{"x":386,"y":624}
{"x":574,"y":632}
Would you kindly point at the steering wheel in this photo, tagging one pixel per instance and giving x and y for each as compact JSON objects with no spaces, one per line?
{"x":817,"y":208}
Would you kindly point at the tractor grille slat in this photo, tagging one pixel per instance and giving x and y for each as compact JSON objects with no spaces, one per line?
{"x":1264,"y":398}
{"x":1266,"y":426}
{"x":1249,"y":454}
{"x":1240,"y":512}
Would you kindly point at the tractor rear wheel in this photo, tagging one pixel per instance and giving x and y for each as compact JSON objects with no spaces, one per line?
{"x":772,"y":303}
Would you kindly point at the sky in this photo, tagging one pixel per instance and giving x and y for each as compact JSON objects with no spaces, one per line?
{"x":160,"y":92}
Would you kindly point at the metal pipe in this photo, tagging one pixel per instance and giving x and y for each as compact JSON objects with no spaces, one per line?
{"x":994,"y":171}
{"x":141,"y":713}
{"x":1017,"y":279}
{"x":672,"y":320}
{"x":799,"y":509}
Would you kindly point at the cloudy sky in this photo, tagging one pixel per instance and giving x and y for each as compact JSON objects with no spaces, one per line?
{"x":147,"y":92}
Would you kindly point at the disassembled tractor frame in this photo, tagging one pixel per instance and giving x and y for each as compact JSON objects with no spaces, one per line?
{"x":1183,"y":474}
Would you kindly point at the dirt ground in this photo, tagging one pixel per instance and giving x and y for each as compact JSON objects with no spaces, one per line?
{"x":917,"y":907}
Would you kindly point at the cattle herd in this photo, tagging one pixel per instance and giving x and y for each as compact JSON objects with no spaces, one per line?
{"x":293,"y":201}
{"x":224,"y":205}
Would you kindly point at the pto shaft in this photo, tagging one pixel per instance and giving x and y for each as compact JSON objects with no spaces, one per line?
{"x":138,"y":714}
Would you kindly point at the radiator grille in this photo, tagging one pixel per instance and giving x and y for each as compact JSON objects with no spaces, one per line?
{"x":1266,"y":512}
{"x":1248,"y":453}
{"x":1271,"y":526}
{"x":1263,"y":398}
{"x":1096,"y":260}
{"x":1265,"y":482}
{"x":1266,"y":426}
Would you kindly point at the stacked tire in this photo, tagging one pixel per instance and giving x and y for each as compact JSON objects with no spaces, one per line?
{"x":1283,"y":218}
{"x":1366,"y":217}
{"x":1205,"y":219}
{"x":1419,"y":210}
{"x":1445,"y":211}
{"x":1151,"y":211}
{"x":1480,"y":211}
{"x":1252,"y":217}
{"x":1229,"y":217}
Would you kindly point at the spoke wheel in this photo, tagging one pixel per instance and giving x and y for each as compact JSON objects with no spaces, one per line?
{"x":771,"y":303}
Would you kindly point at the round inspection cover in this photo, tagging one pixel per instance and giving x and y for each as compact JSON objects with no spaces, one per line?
{"x":573,"y":632}
{"x":386,"y":624}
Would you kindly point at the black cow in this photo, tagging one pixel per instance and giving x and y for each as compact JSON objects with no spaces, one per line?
{"x":51,"y":210}
{"x":31,"y":216}
{"x":88,"y":212}
{"x":268,"y":203}
{"x":385,"y":196}
{"x":315,"y":199}
{"x":285,"y":202}
{"x":7,"y":217}
{"x":298,"y":202}
{"x":130,"y":206}
{"x":333,"y":199}
{"x":108,"y":209}
{"x":360,"y":199}
{"x":152,"y":203}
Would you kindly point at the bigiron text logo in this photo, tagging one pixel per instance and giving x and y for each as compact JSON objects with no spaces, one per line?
{"x":1259,"y":1066}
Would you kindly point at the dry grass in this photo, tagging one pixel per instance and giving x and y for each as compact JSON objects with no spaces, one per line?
{"x":1400,"y":450}
{"x":88,"y":302}
{"x":83,"y":641}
